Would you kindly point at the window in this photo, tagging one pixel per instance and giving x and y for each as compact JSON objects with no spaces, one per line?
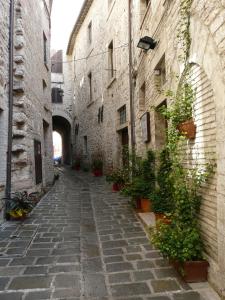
{"x":46,"y":136}
{"x":100,"y":114}
{"x":122,"y":115}
{"x":45,"y":49}
{"x":90,"y":33}
{"x":161,"y":126}
{"x":142,"y":96}
{"x":57,"y":95}
{"x":85,"y":145}
{"x":160,"y":73}
{"x":111,"y":60}
{"x":90,"y":86}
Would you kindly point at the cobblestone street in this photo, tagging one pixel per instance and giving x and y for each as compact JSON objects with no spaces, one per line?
{"x":84,"y":242}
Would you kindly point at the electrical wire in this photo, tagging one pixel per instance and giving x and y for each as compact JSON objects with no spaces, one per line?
{"x":87,"y":57}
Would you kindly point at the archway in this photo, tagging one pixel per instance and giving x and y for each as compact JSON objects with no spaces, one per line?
{"x":63,"y":127}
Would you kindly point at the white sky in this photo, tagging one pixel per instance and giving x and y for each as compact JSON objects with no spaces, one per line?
{"x":64,"y":15}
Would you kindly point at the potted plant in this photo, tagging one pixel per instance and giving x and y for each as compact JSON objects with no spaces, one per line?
{"x":97,"y":167}
{"x":77,"y":165}
{"x":118,"y":178}
{"x":162,"y":202}
{"x":180,"y":112}
{"x":181,"y":241}
{"x":18,"y":206}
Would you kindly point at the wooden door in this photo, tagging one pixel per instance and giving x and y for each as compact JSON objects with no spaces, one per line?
{"x":38,"y":161}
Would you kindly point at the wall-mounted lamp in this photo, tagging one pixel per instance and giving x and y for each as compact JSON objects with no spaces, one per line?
{"x":146,"y":43}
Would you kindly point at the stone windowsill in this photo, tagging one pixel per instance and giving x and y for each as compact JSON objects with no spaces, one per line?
{"x":122,"y":126}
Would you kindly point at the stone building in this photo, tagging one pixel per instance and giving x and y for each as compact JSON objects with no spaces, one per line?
{"x":99,"y":48}
{"x":62,"y":102}
{"x":32,"y":116}
{"x":4,"y":32}
{"x":157,"y":71}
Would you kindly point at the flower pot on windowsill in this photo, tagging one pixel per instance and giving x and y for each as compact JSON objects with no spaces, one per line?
{"x":192,"y":271}
{"x":187,"y":128}
{"x":146,"y":205}
{"x":97,"y":173}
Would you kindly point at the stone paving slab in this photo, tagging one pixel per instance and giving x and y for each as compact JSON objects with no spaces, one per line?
{"x":84,"y":242}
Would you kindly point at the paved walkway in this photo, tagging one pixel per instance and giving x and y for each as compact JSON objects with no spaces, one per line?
{"x":84,"y":242}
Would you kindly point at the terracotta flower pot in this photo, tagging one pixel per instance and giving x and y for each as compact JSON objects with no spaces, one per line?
{"x":162,"y":218}
{"x":97,"y":173}
{"x":146,"y":205}
{"x":116,"y":187}
{"x":192,"y":271}
{"x":187,"y":129}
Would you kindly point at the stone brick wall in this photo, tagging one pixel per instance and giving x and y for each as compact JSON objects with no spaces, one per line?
{"x":4,"y":30}
{"x":159,"y":20}
{"x":65,"y":109}
{"x":108,"y":92}
{"x":32,"y":89}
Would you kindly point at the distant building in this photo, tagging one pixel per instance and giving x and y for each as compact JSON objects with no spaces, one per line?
{"x":62,"y":102}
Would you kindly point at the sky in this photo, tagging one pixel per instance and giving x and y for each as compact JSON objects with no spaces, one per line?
{"x":64,"y":15}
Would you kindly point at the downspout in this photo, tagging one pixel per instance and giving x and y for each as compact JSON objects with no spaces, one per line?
{"x":131,"y":94}
{"x":10,"y":105}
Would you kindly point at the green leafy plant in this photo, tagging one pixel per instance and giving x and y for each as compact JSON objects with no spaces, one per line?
{"x":119,"y":176}
{"x":143,"y":181}
{"x":180,"y":109}
{"x":138,"y":188}
{"x":19,"y":205}
{"x":162,"y":201}
{"x":181,"y":240}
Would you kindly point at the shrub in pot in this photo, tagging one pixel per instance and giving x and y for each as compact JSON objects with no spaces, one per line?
{"x":97,"y":167}
{"x":118,"y":178}
{"x":18,"y":206}
{"x":181,"y":241}
{"x":139,"y":190}
{"x":162,"y":202}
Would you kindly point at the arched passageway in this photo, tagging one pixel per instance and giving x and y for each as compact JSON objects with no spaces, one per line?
{"x":63,"y":127}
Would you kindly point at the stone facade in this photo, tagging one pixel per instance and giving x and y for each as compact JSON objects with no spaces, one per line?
{"x":91,"y":47}
{"x":32,"y":107}
{"x":32,"y":115}
{"x":4,"y":32}
{"x":63,"y":111}
{"x":101,"y":80}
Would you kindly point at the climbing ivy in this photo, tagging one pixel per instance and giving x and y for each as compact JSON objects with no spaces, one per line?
{"x":183,"y":35}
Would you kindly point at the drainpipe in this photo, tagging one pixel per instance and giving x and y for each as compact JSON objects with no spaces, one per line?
{"x":131,"y":90}
{"x":10,"y":104}
{"x":132,"y":117}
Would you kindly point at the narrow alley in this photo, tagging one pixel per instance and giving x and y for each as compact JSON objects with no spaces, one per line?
{"x":84,"y":242}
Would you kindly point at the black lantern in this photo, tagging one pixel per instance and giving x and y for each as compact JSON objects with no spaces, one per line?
{"x":146,"y":43}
